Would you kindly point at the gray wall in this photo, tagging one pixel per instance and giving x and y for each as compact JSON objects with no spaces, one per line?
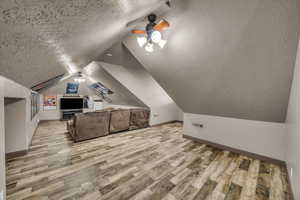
{"x":121,"y":96}
{"x":61,"y":86}
{"x":11,"y":89}
{"x":2,"y":139}
{"x":231,"y":58}
{"x":293,"y":128}
{"x":124,"y":67}
{"x":15,"y":124}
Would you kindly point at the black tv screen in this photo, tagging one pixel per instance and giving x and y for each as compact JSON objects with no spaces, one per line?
{"x":71,"y":103}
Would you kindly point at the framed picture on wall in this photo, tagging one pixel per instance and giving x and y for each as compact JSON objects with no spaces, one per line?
{"x":72,"y":88}
{"x":50,"y":102}
{"x":100,"y":88}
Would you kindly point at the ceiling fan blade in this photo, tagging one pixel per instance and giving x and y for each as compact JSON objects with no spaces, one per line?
{"x":138,"y":32}
{"x":162,"y":25}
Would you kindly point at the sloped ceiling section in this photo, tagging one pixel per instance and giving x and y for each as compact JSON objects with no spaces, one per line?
{"x":124,"y":67}
{"x":231,"y":58}
{"x":40,"y":39}
{"x":121,"y":96}
{"x":61,"y":87}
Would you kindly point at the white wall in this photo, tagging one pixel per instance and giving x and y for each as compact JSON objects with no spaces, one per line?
{"x":15,"y":124}
{"x":59,"y":90}
{"x":263,"y":138}
{"x":121,"y":95}
{"x":2,"y":139}
{"x":15,"y":90}
{"x":53,"y":114}
{"x":293,"y":130}
{"x":56,"y":114}
{"x":11,"y":89}
{"x":50,"y":114}
{"x":142,"y":85}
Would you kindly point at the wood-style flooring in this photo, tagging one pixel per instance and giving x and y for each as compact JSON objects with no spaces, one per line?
{"x":149,"y":164}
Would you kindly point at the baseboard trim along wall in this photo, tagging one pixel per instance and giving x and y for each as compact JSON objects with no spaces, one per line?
{"x":246,"y":153}
{"x":169,"y":122}
{"x":16,"y":154}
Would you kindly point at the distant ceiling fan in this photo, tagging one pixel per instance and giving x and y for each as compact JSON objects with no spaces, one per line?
{"x":153,"y":33}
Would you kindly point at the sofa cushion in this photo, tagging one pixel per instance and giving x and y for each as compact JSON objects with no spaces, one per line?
{"x":119,"y":120}
{"x":91,"y":125}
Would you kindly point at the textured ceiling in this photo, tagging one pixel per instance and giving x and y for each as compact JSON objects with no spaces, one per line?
{"x":40,"y":39}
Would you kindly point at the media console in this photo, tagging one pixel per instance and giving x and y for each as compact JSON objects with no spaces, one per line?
{"x":69,"y":114}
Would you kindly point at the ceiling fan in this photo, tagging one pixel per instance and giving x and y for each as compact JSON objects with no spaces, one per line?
{"x":153,"y":32}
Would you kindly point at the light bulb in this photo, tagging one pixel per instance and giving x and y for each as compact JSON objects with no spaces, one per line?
{"x":142,"y":41}
{"x":149,"y":47}
{"x":156,"y":37}
{"x":162,"y":43}
{"x":80,"y":80}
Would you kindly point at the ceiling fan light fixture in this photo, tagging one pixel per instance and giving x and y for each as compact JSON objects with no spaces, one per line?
{"x":142,"y":41}
{"x":162,"y":43}
{"x":149,"y":47}
{"x":156,"y":37}
{"x":80,"y":80}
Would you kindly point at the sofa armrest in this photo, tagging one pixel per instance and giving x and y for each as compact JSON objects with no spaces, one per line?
{"x":139,"y":118}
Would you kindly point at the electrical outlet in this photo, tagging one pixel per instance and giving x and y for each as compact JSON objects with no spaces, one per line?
{"x":198,"y":125}
{"x":1,"y":195}
{"x":291,"y":172}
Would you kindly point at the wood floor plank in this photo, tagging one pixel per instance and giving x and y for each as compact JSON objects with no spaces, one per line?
{"x":249,"y":188}
{"x":152,"y":163}
{"x":234,"y":192}
{"x":206,"y":190}
{"x":226,"y":179}
{"x":263,"y":181}
{"x":130,"y":189}
{"x":276,"y":191}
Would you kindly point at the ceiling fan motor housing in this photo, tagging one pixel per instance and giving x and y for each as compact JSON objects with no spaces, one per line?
{"x":152,"y":18}
{"x":150,"y":26}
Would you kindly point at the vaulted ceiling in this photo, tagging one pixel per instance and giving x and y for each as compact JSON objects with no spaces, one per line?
{"x":40,"y":39}
{"x":230,"y":58}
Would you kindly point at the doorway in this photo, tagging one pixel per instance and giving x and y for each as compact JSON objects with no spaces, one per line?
{"x":15,"y":129}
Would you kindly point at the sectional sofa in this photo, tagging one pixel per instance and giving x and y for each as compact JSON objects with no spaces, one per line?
{"x":91,"y":125}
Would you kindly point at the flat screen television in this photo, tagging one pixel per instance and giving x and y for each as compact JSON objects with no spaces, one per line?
{"x":71,"y":103}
